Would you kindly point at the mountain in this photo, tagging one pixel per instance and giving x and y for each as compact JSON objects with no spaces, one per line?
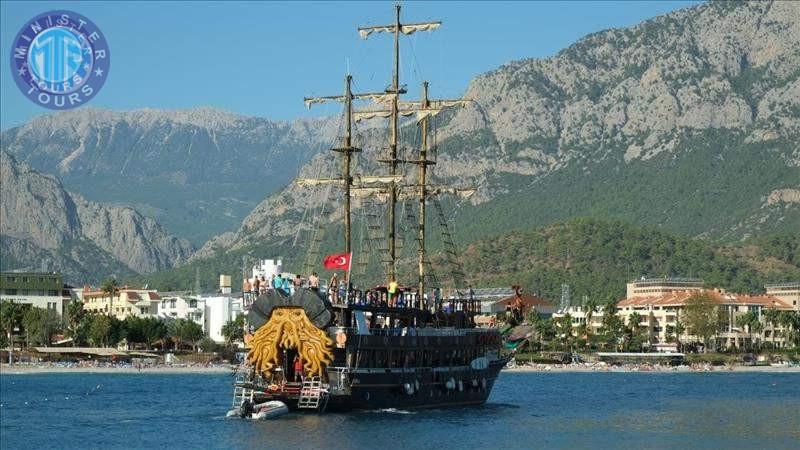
{"x":688,"y":122}
{"x":199,"y":172}
{"x":42,"y":223}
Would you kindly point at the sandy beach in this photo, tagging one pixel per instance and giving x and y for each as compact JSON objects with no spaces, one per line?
{"x":22,"y":369}
{"x":650,"y":369}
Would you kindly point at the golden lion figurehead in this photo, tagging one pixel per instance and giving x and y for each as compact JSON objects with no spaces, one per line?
{"x":289,"y":327}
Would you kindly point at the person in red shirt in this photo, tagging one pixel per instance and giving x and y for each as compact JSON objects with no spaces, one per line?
{"x":298,"y":368}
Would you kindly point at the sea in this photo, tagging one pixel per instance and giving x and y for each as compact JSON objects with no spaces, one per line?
{"x":525,"y":410}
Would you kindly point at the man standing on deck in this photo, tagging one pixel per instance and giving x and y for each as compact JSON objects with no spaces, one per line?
{"x":313,"y":282}
{"x":392,"y":293}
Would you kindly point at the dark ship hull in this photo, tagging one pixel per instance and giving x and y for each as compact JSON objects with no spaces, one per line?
{"x":373,"y":367}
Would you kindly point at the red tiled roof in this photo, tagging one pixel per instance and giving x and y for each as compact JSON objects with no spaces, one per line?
{"x":678,"y":298}
{"x":527,"y":299}
{"x":132,"y":295}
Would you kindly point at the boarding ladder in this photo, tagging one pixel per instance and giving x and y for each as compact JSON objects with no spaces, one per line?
{"x":240,"y":394}
{"x":312,"y":394}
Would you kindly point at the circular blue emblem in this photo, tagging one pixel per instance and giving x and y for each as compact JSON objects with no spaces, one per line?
{"x":60,"y":59}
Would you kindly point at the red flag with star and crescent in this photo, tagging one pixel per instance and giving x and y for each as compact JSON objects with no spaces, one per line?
{"x":338,"y":261}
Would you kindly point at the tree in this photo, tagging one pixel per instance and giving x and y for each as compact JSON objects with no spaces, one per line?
{"x":790,"y":321}
{"x":233,"y":330}
{"x":82,"y":332}
{"x":746,"y":321}
{"x":99,"y":330}
{"x":110,"y":288}
{"x":590,"y":308}
{"x":634,"y":336}
{"x":155,"y":329}
{"x":565,"y":329}
{"x":40,"y":325}
{"x":701,"y":317}
{"x":75,"y":313}
{"x":771,"y":316}
{"x":612,"y":325}
{"x":183,"y":330}
{"x":10,"y":320}
{"x":680,"y":328}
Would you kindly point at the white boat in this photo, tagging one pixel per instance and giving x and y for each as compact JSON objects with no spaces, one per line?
{"x":269,"y":410}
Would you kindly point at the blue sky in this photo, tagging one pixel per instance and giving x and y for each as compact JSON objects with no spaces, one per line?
{"x":260,"y":59}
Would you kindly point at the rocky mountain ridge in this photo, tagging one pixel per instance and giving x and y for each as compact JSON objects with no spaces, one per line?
{"x":694,"y":111}
{"x":196,"y":171}
{"x":44,"y":223}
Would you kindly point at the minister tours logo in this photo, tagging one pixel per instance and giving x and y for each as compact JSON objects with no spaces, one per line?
{"x":60,"y":59}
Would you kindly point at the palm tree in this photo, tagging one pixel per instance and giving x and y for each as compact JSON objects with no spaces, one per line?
{"x":771,"y":316}
{"x":680,"y":328}
{"x":591,"y":306}
{"x":747,"y":320}
{"x":74,"y":316}
{"x":11,"y":315}
{"x":110,"y":287}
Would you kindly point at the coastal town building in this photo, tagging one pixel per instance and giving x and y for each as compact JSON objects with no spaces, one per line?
{"x":181,"y":306}
{"x":527,"y":301}
{"x":219,"y":309}
{"x":659,"y":314}
{"x":580,"y":316}
{"x":124,"y":303}
{"x":41,"y":289}
{"x":648,"y":287}
{"x":788,"y":292}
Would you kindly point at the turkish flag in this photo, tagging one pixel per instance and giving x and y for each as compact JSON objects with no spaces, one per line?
{"x":339,"y":261}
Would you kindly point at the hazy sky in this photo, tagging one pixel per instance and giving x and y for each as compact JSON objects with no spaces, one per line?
{"x":261,"y":58}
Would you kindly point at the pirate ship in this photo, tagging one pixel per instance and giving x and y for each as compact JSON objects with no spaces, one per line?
{"x":392,"y":346}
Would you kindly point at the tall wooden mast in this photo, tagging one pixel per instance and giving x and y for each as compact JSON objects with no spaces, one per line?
{"x":394,"y":91}
{"x":423,"y":180}
{"x":348,"y":150}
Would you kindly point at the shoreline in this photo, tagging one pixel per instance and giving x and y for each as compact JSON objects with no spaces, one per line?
{"x":34,"y":370}
{"x":569,"y":368}
{"x":5,"y":369}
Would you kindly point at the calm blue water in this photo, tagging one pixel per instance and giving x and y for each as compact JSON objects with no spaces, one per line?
{"x":525,"y":410}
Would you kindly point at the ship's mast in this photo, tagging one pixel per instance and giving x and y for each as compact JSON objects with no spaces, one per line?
{"x":347,"y":149}
{"x":395,"y":89}
{"x":423,"y":180}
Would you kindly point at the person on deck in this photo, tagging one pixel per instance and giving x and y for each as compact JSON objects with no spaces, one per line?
{"x":286,"y":285}
{"x":277,"y":282}
{"x":262,"y":288}
{"x":256,"y":284}
{"x":392,"y":289}
{"x":333,"y":289}
{"x":313,"y":282}
{"x":298,"y":369}
{"x":298,"y":282}
{"x":246,"y":288}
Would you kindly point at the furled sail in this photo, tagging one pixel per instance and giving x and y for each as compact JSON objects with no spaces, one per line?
{"x":410,"y":28}
{"x":377,"y":97}
{"x":357,"y":180}
{"x":420,"y":113}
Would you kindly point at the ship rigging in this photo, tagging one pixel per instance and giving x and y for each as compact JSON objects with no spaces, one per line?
{"x":388,"y":346}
